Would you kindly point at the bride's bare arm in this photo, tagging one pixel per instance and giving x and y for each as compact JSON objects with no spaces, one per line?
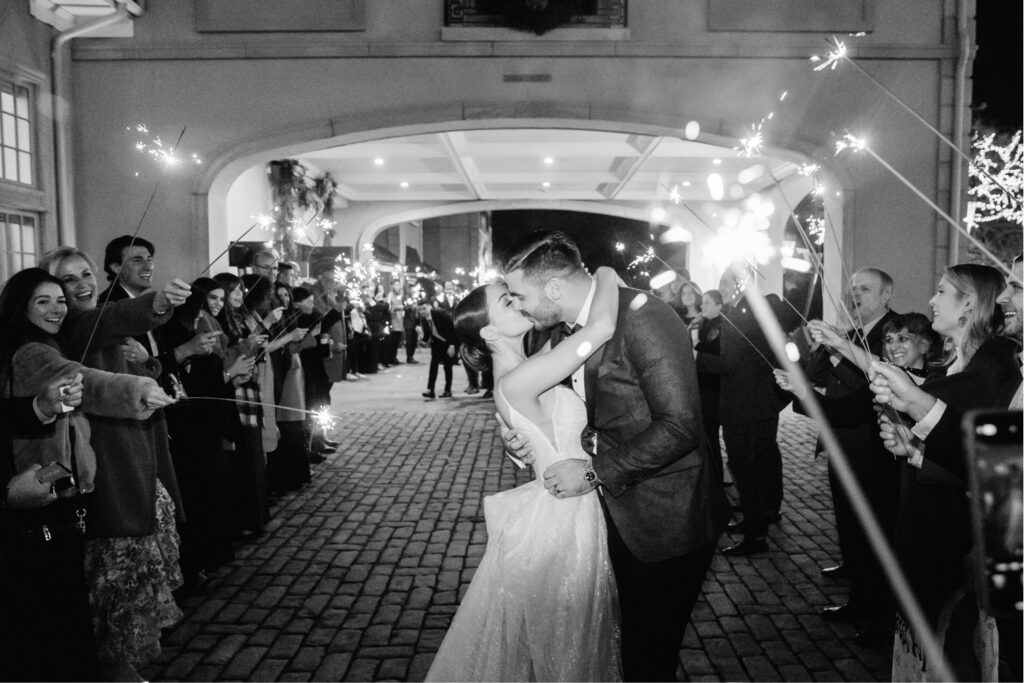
{"x":544,"y":370}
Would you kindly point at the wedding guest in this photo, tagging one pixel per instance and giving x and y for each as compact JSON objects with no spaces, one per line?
{"x":246,"y":458}
{"x":132,"y":543}
{"x":709,"y":342}
{"x":316,"y":384}
{"x":933,"y":528}
{"x":749,"y":408}
{"x":375,"y":309}
{"x":33,"y":308}
{"x":443,"y":344}
{"x":868,"y":310}
{"x":43,"y":592}
{"x":410,"y":319}
{"x":690,"y":303}
{"x":288,"y":463}
{"x":198,"y":429}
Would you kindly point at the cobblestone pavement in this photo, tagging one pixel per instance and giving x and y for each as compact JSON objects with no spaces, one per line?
{"x":360,"y":572}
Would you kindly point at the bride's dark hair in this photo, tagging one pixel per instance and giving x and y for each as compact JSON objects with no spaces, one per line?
{"x":470,"y":317}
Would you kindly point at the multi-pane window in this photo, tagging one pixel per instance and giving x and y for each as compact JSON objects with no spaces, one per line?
{"x":15,"y":133}
{"x":18,"y":240}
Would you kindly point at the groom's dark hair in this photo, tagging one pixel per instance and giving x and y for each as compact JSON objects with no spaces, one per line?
{"x":545,"y":251}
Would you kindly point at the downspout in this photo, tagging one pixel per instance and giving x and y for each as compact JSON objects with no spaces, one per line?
{"x":62,"y":124}
{"x":966,"y":44}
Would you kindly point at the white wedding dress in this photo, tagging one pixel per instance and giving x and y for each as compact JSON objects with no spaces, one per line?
{"x":542,"y":605}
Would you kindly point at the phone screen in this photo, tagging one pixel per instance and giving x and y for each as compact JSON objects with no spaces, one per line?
{"x":993,"y":444}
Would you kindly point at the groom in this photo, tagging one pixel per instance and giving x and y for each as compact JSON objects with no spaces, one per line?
{"x":660,"y":486}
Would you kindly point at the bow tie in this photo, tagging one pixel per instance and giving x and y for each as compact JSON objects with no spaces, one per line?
{"x":568,"y":329}
{"x":917,"y":372}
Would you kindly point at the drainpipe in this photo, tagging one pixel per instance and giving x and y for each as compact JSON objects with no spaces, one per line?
{"x":966,"y":44}
{"x":62,"y":123}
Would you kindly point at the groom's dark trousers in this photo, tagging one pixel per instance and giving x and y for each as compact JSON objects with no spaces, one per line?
{"x":655,"y":602}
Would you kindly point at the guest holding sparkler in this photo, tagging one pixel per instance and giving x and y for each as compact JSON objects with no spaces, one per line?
{"x":33,"y":309}
{"x":287,"y":463}
{"x":316,"y":385}
{"x":933,"y":529}
{"x":248,"y":459}
{"x":198,"y":429}
{"x":132,"y":542}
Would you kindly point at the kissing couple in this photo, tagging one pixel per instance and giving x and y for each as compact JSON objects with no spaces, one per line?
{"x":591,"y":569}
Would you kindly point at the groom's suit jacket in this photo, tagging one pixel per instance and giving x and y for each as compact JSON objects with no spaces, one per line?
{"x":662,"y":485}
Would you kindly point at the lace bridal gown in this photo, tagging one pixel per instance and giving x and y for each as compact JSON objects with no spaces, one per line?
{"x":542,"y":604}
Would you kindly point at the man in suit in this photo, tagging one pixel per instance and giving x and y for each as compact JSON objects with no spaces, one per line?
{"x":870,"y":597}
{"x":660,"y":487}
{"x":443,"y":343}
{"x":128,"y":263}
{"x":749,"y":406}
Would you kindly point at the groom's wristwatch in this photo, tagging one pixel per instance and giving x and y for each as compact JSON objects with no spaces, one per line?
{"x":589,"y":475}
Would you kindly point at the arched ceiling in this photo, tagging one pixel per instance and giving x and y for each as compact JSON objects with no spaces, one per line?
{"x":541,"y":164}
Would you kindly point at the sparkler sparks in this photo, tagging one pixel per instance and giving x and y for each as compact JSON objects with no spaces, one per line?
{"x":832,"y":59}
{"x":751,"y":145}
{"x":323,"y":419}
{"x":153,"y":147}
{"x":850,"y":141}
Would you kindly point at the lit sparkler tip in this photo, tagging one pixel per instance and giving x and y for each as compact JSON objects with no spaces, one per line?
{"x":323,"y":419}
{"x":808,"y":169}
{"x":751,"y":146}
{"x":674,"y":195}
{"x":850,"y":141}
{"x":832,"y":59}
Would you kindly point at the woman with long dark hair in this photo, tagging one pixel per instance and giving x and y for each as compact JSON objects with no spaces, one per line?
{"x":198,"y":428}
{"x":542,"y":604}
{"x":44,"y":546}
{"x":247,"y":459}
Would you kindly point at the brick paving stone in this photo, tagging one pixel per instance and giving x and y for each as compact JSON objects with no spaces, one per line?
{"x":268,"y":670}
{"x":359,"y":573}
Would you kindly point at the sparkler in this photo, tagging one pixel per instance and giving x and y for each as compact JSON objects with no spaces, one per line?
{"x":131,"y":243}
{"x":831,"y":60}
{"x":841,"y":53}
{"x":996,"y":262}
{"x":154,"y":148}
{"x":323,"y":419}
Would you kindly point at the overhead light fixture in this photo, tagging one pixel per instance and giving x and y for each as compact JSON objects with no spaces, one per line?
{"x":545,"y":184}
{"x":716,"y":162}
{"x":692,"y":130}
{"x":378,"y":162}
{"x":658,"y":214}
{"x":549,"y":160}
{"x":404,"y":184}
{"x":716,"y":186}
{"x":685,"y":183}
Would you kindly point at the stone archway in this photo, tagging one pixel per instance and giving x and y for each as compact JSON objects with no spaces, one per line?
{"x":211,"y":213}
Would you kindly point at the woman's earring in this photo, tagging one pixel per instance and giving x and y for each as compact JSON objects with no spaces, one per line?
{"x":962,"y":321}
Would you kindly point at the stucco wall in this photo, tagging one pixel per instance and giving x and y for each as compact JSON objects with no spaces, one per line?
{"x":398,"y":76}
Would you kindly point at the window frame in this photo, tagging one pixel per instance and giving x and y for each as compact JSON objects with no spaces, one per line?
{"x":11,"y":85}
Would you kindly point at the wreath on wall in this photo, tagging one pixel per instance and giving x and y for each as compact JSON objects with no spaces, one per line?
{"x":540,"y":16}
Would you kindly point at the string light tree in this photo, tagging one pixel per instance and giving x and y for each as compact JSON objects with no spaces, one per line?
{"x":994,"y":212}
{"x":296,"y":194}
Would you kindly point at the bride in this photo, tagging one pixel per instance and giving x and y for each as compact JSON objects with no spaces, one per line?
{"x":542,"y":605}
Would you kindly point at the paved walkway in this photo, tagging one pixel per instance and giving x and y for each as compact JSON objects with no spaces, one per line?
{"x":361,"y":571}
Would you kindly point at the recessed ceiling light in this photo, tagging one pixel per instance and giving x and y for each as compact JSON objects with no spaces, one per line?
{"x":378,"y":162}
{"x":716,"y":162}
{"x":548,"y":160}
{"x":404,"y":184}
{"x":686,"y":183}
{"x":545,"y":184}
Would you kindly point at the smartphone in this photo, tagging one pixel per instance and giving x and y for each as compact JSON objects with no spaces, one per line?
{"x":992,"y":441}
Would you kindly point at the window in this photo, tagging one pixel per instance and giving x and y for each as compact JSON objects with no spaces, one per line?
{"x":15,"y":133}
{"x":17,"y":243}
